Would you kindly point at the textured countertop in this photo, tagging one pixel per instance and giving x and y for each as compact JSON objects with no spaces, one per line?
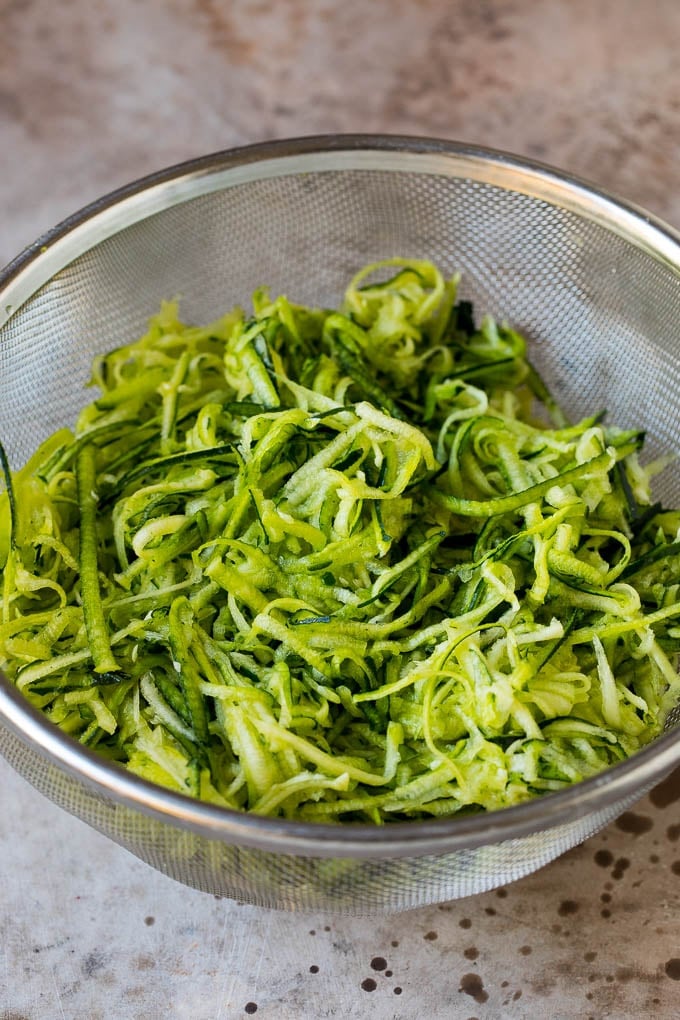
{"x":94,"y":94}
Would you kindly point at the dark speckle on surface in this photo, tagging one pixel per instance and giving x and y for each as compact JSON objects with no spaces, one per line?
{"x":250,"y":1007}
{"x":501,"y":893}
{"x":667,"y":792}
{"x":465,"y":922}
{"x":673,"y":833}
{"x":604,"y":858}
{"x":471,"y":953}
{"x":431,"y":936}
{"x":472,"y":985}
{"x":672,"y":968}
{"x":567,"y":907}
{"x":525,"y":950}
{"x":621,"y":865}
{"x":675,"y":867}
{"x":397,"y":990}
{"x":314,"y":969}
{"x":149,"y":921}
{"x":369,"y":984}
{"x":634,"y":823}
{"x":378,"y":963}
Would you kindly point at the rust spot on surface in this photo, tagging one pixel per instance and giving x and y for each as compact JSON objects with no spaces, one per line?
{"x":471,"y":953}
{"x":567,"y":907}
{"x":431,"y":936}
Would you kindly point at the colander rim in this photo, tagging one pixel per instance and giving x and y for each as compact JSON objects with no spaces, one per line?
{"x":542,"y":180}
{"x":359,"y":840}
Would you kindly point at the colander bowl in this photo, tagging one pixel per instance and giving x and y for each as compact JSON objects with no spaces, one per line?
{"x":593,"y":282}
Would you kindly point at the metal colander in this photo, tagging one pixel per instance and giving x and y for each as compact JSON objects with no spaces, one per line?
{"x":595,"y":285}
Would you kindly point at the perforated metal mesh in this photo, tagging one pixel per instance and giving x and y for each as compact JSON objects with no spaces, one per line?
{"x":603,"y":314}
{"x":604,"y":318}
{"x":297,"y":882}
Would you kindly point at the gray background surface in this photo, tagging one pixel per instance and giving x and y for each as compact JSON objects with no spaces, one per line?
{"x":94,"y":94}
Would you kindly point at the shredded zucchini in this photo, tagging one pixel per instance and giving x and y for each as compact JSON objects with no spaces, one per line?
{"x":341,"y":565}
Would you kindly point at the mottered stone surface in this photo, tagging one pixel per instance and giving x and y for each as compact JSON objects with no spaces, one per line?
{"x":94,"y":93}
{"x":101,"y":92}
{"x":88,"y":931}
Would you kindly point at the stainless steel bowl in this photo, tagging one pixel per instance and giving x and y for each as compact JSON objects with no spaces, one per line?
{"x":594,"y":282}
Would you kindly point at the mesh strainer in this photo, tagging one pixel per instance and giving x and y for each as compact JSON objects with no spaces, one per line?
{"x":596,"y":286}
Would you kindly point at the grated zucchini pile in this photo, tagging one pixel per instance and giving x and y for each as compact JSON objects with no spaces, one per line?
{"x":341,"y":565}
